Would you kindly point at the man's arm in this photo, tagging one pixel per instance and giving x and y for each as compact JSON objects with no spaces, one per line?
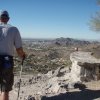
{"x":21,"y":53}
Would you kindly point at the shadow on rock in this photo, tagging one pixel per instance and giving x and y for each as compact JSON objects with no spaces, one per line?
{"x":79,"y":95}
{"x":80,"y":86}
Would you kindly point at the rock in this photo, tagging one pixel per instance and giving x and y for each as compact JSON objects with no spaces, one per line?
{"x":65,"y":69}
{"x":71,"y":85}
{"x":62,"y":71}
{"x":29,"y":97}
{"x":54,"y":88}
{"x":49,"y":74}
{"x":85,"y":67}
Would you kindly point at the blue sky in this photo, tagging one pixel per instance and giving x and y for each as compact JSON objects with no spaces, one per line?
{"x":52,"y":18}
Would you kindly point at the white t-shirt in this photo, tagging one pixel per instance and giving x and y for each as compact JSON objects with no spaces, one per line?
{"x":9,"y":38}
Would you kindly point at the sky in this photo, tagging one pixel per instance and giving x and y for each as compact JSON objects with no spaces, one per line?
{"x":52,"y":18}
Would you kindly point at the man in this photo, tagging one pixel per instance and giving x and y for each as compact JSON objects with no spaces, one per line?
{"x":9,"y":38}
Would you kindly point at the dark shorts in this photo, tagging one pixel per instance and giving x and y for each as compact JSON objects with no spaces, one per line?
{"x":6,"y":75}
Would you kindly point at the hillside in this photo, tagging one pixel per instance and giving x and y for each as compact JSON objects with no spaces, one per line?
{"x":46,"y":70}
{"x":44,"y":55}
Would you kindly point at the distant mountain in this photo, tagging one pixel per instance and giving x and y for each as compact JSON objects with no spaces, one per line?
{"x":59,"y":41}
{"x":70,"y":41}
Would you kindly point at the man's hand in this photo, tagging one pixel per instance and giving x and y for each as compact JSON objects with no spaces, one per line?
{"x":21,"y":53}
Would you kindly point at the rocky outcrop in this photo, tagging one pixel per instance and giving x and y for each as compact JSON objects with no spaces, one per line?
{"x":85,"y":67}
{"x":50,"y":84}
{"x":34,"y":87}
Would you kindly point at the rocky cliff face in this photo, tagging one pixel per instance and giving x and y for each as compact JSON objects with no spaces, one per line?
{"x":60,"y":81}
{"x":85,"y":67}
{"x":37,"y":86}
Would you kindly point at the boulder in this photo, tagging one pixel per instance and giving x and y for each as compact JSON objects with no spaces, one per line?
{"x":85,"y":67}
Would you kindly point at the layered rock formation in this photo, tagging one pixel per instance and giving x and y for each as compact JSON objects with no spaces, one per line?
{"x":85,"y":67}
{"x":35,"y":87}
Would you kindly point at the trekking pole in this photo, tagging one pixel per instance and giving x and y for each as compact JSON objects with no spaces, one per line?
{"x":19,"y":83}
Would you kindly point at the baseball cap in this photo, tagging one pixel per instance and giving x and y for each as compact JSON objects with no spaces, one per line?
{"x":4,"y":13}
